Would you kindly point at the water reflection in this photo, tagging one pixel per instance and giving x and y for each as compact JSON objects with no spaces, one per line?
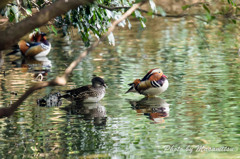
{"x":155,"y":108}
{"x":39,"y":66}
{"x":91,"y":112}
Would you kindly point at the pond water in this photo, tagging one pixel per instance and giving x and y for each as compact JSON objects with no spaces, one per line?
{"x":197,"y":117}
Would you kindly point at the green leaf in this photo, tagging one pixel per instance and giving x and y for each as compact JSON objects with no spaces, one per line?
{"x":94,"y":16}
{"x":137,"y":1}
{"x":49,"y":29}
{"x":162,"y":12}
{"x":99,"y":16}
{"x":109,"y":13}
{"x":137,"y":14}
{"x":129,"y":24}
{"x":143,"y":24}
{"x":37,"y":29}
{"x":11,"y":18}
{"x":29,"y":12}
{"x":232,"y":2}
{"x":153,"y":6}
{"x":208,"y":16}
{"x":234,"y":21}
{"x":54,"y":29}
{"x":185,"y":7}
{"x":144,"y":19}
{"x":111,"y":39}
{"x":149,"y":13}
{"x":14,"y":13}
{"x":11,"y":15}
{"x":206,"y":8}
{"x":85,"y":38}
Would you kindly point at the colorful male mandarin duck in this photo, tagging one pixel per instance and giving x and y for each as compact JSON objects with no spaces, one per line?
{"x":153,"y":83}
{"x":87,"y":94}
{"x":38,"y":47}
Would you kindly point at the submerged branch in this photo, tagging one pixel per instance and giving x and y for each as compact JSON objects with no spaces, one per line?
{"x":62,"y":80}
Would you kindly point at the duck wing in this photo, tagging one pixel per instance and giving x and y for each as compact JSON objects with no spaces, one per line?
{"x":21,"y":47}
{"x":144,"y":85}
{"x":34,"y":49}
{"x":78,"y":93}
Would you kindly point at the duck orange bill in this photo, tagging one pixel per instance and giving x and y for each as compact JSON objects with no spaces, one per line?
{"x":164,"y":76}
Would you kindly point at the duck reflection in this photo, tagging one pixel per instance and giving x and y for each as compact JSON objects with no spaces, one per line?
{"x":50,"y":100}
{"x":39,"y":66}
{"x":92,"y":112}
{"x":155,"y":108}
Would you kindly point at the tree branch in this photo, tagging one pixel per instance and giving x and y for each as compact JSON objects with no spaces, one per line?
{"x":169,"y":15}
{"x":145,"y":11}
{"x":11,"y":35}
{"x":4,"y":3}
{"x":60,"y":81}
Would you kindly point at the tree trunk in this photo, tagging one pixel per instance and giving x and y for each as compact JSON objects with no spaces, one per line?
{"x":3,"y":3}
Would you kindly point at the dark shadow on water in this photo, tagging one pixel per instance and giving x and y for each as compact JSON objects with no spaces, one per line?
{"x":91,"y":112}
{"x":154,"y":108}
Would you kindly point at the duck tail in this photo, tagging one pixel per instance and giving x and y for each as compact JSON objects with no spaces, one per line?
{"x":133,"y":85}
{"x":131,"y":89}
{"x":13,"y":52}
{"x":15,"y":49}
{"x":64,"y":96}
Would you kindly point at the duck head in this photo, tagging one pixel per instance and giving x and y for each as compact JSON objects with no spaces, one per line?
{"x":154,"y":75}
{"x":38,"y":37}
{"x":98,"y":82}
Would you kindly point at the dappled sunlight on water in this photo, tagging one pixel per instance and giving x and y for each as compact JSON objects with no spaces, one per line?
{"x":200,"y":107}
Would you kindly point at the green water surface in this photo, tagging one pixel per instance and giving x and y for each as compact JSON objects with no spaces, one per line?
{"x":197,"y":117}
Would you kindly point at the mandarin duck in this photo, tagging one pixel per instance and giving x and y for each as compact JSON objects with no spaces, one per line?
{"x":153,"y":83}
{"x":38,"y":47}
{"x":89,"y":93}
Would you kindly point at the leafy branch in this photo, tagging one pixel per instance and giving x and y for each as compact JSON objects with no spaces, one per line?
{"x":204,"y":5}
